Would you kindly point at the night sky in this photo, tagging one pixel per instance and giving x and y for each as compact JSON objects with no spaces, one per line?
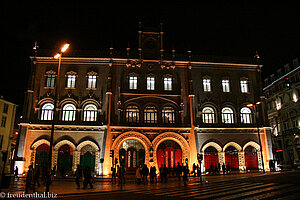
{"x":220,"y":28}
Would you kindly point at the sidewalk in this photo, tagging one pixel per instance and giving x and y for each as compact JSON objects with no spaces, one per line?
{"x":68,"y":187}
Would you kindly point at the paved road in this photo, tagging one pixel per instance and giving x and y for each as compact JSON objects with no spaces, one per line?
{"x":274,"y":186}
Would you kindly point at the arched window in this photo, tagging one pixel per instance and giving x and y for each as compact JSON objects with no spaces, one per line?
{"x":68,"y":112}
{"x":132,"y":114}
{"x":246,"y":115}
{"x":150,"y":114}
{"x":90,"y":113}
{"x":47,"y":111}
{"x":208,"y":115}
{"x":227,"y":115}
{"x":168,"y":115}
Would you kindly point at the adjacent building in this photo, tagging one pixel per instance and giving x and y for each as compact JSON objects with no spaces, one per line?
{"x":148,"y":106}
{"x":282,"y":90}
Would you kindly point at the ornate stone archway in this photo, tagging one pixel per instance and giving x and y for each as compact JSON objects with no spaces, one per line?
{"x":241,"y":154}
{"x":55,"y":152}
{"x":257,"y":147}
{"x":221,"y":154}
{"x":33,"y":148}
{"x":132,"y":136}
{"x":174,"y":137}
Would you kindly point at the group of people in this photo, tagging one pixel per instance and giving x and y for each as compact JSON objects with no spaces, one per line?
{"x":86,"y":175}
{"x":216,"y":169}
{"x":32,"y":178}
{"x":142,"y":174}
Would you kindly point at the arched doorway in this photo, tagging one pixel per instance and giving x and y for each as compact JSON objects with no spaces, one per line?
{"x":231,"y":158}
{"x":42,"y":156}
{"x":251,"y":158}
{"x":87,"y":157}
{"x":131,"y":155}
{"x":210,"y":158}
{"x":169,"y":153}
{"x":65,"y":158}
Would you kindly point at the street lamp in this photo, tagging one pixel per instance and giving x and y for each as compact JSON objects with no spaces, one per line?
{"x":258,"y":134}
{"x":56,"y":56}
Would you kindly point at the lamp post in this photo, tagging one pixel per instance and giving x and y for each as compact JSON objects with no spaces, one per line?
{"x":258,"y":133}
{"x":56,"y":56}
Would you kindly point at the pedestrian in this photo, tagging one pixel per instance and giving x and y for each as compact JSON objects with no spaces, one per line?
{"x":185,"y":175}
{"x":87,"y":175}
{"x":179,"y":170}
{"x":145,"y":172}
{"x":37,"y":176}
{"x":121,"y":174}
{"x":161,"y":170}
{"x":114,"y":176}
{"x":30,"y":179}
{"x":165,"y":173}
{"x":153,"y":174}
{"x":228,"y":168}
{"x":138,"y":175}
{"x":198,"y":171}
{"x":78,"y":176}
{"x":194,"y":169}
{"x":223,"y":168}
{"x":219,"y":168}
{"x":16,"y":173}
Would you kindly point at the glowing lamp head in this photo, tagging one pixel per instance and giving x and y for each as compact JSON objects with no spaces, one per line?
{"x":250,"y":105}
{"x":57,"y":56}
{"x":65,"y":47}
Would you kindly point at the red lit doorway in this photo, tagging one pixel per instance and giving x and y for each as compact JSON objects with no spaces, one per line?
{"x":231,"y":158}
{"x":210,"y":158}
{"x":169,"y":153}
{"x":251,"y":158}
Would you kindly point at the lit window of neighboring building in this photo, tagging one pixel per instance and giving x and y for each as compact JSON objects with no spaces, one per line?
{"x":168,"y":83}
{"x":5,"y":108}
{"x":132,"y":114}
{"x":168,"y":115}
{"x":244,"y":86}
{"x":208,"y":115}
{"x":90,"y":113}
{"x":91,"y":81}
{"x":3,"y":121}
{"x":150,"y":115}
{"x":71,"y":81}
{"x":225,"y":85}
{"x":47,"y":111}
{"x":50,"y":79}
{"x":150,"y":83}
{"x":227,"y":115}
{"x":246,"y":115}
{"x":133,"y":82}
{"x":206,"y":85}
{"x":68,"y":112}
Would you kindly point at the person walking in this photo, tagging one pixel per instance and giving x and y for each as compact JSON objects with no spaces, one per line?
{"x":30,"y":180}
{"x":185,"y":175}
{"x":165,"y":173}
{"x":153,"y":174}
{"x":121,"y":174}
{"x":114,"y":176}
{"x":145,"y":172}
{"x":78,"y":176}
{"x":161,"y":170}
{"x":16,"y":173}
{"x":223,"y":168}
{"x":179,"y":170}
{"x":87,"y":174}
{"x":138,"y":175}
{"x":37,"y":176}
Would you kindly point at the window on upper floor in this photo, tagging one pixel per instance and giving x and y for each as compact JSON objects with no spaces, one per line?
{"x":71,"y":80}
{"x":132,"y":114}
{"x":5,"y":108}
{"x":133,"y":81}
{"x":168,"y":83}
{"x":150,"y":82}
{"x":150,"y":115}
{"x":244,"y":85}
{"x":225,"y":85}
{"x":68,"y":112}
{"x":50,"y":78}
{"x":206,"y":85}
{"x":1,"y":141}
{"x":246,"y":116}
{"x":227,"y":116}
{"x":208,"y":115}
{"x":3,"y":121}
{"x":90,"y":113}
{"x":168,"y":115}
{"x":47,"y":111}
{"x":91,"y":81}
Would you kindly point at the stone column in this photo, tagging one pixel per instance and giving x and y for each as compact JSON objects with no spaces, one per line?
{"x":54,"y":159}
{"x":259,"y":160}
{"x":242,"y":165}
{"x":32,"y":157}
{"x":76,"y":159}
{"x":221,"y":157}
{"x":97,"y":161}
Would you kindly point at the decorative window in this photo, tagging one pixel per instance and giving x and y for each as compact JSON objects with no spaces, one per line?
{"x":227,"y":115}
{"x":244,"y":85}
{"x":50,"y":78}
{"x":168,"y":83}
{"x":91,"y":80}
{"x":150,"y":83}
{"x":132,"y":114}
{"x":90,"y":113}
{"x":225,"y":85}
{"x":246,"y":115}
{"x":206,"y":85}
{"x":150,"y":115}
{"x":68,"y":112}
{"x":208,"y":115}
{"x":47,"y":111}
{"x":168,"y":115}
{"x":133,"y":79}
{"x":71,"y":80}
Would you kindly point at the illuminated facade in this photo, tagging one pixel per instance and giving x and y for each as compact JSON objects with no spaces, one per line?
{"x":282,"y":90}
{"x":148,"y":106}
